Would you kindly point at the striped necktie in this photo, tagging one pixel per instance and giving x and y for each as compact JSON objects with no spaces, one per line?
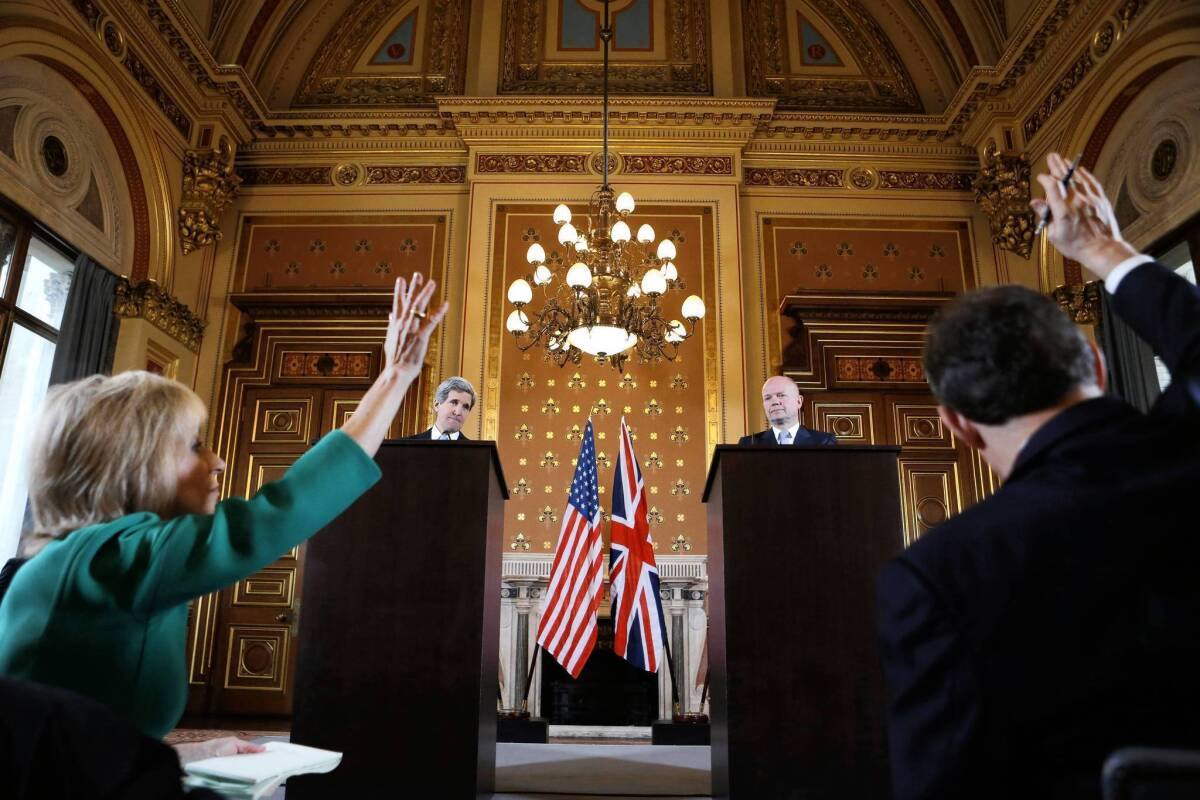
{"x":445,"y":437}
{"x":785,"y":437}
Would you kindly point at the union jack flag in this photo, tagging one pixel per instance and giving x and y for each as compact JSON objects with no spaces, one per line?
{"x":567,"y":630}
{"x":638,"y":622}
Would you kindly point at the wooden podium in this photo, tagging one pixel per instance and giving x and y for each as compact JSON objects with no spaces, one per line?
{"x":796,"y":538}
{"x":400,"y":625}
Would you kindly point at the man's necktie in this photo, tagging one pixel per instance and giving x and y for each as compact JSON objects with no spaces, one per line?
{"x":445,"y":437}
{"x":785,"y":437}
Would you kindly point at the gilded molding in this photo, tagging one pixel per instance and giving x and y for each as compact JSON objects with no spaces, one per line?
{"x":1058,"y":95}
{"x":936,"y":181}
{"x":433,"y":174}
{"x":525,"y":70}
{"x":540,"y":164}
{"x":154,"y":90}
{"x":148,"y":301}
{"x":285,"y":176}
{"x":1002,"y":192}
{"x":1080,"y":301}
{"x":677,"y":165}
{"x":209,"y":184}
{"x":812,"y":178}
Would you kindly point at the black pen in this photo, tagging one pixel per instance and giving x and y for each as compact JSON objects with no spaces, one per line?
{"x":1066,"y":184}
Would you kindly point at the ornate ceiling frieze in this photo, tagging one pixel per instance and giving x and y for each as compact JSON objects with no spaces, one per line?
{"x":1099,"y":46}
{"x":883,"y":85}
{"x":286,"y":176}
{"x":333,"y":78}
{"x":494,"y":163}
{"x":526,"y":66}
{"x":808,"y":178}
{"x":330,"y":174}
{"x":937,"y":181}
{"x":676,"y":165}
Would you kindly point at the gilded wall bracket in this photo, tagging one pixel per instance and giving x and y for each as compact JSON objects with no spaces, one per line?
{"x":1002,"y":192}
{"x":152,"y":303}
{"x":1080,"y":301}
{"x":209,"y":184}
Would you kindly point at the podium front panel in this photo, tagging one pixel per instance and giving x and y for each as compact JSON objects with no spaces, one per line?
{"x":399,"y":628}
{"x":796,"y":538}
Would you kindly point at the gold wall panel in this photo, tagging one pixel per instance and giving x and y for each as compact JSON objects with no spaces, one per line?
{"x":338,"y":251}
{"x":930,"y":493}
{"x":283,"y":421}
{"x":271,"y":586}
{"x":920,"y":426}
{"x":257,"y":658}
{"x":542,"y":408}
{"x":262,"y":468}
{"x":852,"y":423}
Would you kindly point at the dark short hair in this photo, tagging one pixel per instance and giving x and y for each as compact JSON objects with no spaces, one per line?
{"x":1004,"y":351}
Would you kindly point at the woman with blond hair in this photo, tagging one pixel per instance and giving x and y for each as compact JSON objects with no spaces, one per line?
{"x":124,"y":495}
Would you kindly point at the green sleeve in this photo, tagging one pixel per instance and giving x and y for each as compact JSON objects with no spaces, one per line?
{"x":196,"y":554}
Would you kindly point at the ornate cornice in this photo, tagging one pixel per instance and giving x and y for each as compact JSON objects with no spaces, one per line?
{"x":336,"y":174}
{"x":1080,"y":301}
{"x":146,"y":300}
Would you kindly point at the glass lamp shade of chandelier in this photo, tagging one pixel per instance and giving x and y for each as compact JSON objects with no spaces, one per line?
{"x":609,"y":302}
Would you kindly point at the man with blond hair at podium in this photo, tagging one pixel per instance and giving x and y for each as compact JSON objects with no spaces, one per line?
{"x":782,"y":402}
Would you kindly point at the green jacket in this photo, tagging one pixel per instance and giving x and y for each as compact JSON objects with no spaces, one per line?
{"x":103,"y":611}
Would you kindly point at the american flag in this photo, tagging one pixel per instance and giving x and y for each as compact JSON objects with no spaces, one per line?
{"x":568,"y":627}
{"x":638,"y":622}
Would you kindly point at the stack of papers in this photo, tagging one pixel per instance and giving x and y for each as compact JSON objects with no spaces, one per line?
{"x":251,"y":776}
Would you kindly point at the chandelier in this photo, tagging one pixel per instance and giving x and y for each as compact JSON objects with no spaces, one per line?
{"x":608,"y":302}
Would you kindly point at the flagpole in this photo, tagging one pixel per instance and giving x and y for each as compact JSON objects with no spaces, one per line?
{"x":671,"y":671}
{"x":529,"y":678}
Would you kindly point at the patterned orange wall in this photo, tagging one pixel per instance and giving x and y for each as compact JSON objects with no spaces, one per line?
{"x":543,"y":408}
{"x":860,"y":256}
{"x":339,"y":252}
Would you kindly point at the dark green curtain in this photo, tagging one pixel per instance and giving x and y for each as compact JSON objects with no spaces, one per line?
{"x":1131,"y":373}
{"x":88,"y":337}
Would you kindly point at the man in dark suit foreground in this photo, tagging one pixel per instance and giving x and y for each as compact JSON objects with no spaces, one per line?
{"x":452,"y":403}
{"x":782,"y":401}
{"x":1058,"y":620}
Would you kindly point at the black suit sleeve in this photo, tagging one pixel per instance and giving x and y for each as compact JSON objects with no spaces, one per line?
{"x":745,"y":440}
{"x":933,"y":705}
{"x":1164,"y":309}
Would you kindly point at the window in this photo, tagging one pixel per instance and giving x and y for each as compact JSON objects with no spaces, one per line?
{"x":1180,"y":259}
{"x":35,"y":276}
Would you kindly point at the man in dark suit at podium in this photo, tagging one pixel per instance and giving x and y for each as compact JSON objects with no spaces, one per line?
{"x":782,"y":401}
{"x":1030,"y":636}
{"x":452,"y":403}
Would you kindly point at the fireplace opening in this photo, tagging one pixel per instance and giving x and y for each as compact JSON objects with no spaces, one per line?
{"x":609,"y":691}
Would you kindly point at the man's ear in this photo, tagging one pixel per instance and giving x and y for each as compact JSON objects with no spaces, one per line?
{"x":1099,"y":365}
{"x":961,"y":427}
{"x":800,"y":402}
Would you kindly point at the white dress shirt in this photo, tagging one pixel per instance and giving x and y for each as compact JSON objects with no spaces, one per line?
{"x":437,"y":434}
{"x":791,"y":431}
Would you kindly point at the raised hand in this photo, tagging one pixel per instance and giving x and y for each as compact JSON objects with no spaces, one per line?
{"x":1083,"y":226}
{"x":410,"y":325}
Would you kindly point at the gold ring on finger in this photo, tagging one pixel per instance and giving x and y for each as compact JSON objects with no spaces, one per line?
{"x":419,"y":314}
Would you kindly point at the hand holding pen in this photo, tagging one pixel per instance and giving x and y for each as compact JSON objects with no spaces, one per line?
{"x":1079,"y":218}
{"x":1044,"y":217}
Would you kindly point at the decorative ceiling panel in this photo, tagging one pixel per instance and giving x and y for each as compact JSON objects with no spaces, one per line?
{"x":553,"y":46}
{"x":823,"y":55}
{"x":390,"y":52}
